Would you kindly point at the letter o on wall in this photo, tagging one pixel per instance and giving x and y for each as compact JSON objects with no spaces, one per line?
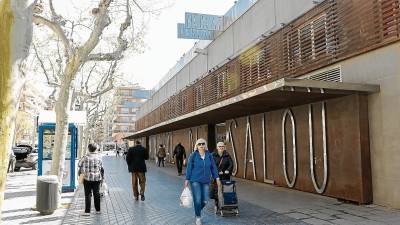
{"x":285,"y":114}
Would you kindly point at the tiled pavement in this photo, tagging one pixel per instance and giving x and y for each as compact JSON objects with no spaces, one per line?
{"x":161,"y":205}
{"x":258,"y":204}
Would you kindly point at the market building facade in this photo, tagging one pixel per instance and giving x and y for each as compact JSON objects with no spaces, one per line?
{"x":304,"y":93}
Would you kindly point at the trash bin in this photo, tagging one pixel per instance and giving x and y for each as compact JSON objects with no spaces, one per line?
{"x":46,"y":194}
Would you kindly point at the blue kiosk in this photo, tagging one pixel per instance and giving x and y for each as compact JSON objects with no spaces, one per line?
{"x":46,"y":142}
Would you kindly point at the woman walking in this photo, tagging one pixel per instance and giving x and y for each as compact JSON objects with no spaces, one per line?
{"x":161,"y":154}
{"x":224,"y":165}
{"x":90,"y":167}
{"x":201,"y":167}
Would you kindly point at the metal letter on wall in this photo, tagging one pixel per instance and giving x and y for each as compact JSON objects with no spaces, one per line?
{"x":229,"y":138}
{"x":318,"y":189}
{"x":265,"y":171}
{"x":289,"y":112}
{"x":169,"y":147}
{"x":249,"y":141}
{"x":191,"y":145}
{"x":191,"y":141}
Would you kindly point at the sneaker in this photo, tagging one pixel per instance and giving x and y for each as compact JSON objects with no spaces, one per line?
{"x":85,"y":214}
{"x":136,"y":198}
{"x":98,"y":212}
{"x":215,"y":209}
{"x":142,"y":197}
{"x":198,"y":221}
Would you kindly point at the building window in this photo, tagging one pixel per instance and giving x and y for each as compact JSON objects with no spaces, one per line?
{"x":124,"y":110}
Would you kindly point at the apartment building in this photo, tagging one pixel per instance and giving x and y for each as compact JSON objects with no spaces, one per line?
{"x":126,"y":102}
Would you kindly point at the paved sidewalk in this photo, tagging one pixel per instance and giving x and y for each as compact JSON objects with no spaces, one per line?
{"x":20,"y":201}
{"x":258,"y":204}
{"x":161,"y":205}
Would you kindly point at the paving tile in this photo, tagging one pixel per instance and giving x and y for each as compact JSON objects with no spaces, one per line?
{"x":298,"y":215}
{"x":351,"y":217}
{"x":329,"y":211}
{"x":322,"y":216}
{"x":306,"y":211}
{"x":343,"y":222}
{"x":314,"y":221}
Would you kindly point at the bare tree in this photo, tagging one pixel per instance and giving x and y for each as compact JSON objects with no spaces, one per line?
{"x":83,"y":42}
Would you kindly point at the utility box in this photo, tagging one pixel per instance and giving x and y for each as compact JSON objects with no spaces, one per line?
{"x":46,"y":194}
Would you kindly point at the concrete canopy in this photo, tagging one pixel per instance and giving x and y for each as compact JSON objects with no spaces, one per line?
{"x":285,"y":92}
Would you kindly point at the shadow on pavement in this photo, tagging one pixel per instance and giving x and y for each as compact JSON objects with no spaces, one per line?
{"x":47,"y":219}
{"x":18,"y":217}
{"x":16,"y":210}
{"x":19,"y":194}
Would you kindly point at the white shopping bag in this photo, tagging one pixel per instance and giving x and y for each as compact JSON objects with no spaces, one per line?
{"x":103,"y":189}
{"x":186,"y":198}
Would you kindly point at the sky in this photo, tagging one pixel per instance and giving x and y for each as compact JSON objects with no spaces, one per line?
{"x":164,"y":49}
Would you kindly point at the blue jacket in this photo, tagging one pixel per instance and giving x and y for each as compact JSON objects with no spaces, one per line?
{"x":199,"y":170}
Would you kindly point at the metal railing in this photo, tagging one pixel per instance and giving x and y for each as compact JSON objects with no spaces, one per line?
{"x":330,"y":32}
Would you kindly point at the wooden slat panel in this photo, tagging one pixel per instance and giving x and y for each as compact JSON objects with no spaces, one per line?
{"x":330,"y":32}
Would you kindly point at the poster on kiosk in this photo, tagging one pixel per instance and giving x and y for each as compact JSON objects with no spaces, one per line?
{"x":46,"y":143}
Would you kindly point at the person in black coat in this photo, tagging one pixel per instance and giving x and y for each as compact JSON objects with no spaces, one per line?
{"x":179,"y":155}
{"x":223,"y":161}
{"x":137,"y":166}
{"x":224,"y":164}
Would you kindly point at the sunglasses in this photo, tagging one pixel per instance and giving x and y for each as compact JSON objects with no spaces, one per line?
{"x":201,"y":144}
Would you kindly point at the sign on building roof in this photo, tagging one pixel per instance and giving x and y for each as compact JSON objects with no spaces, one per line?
{"x":201,"y":21}
{"x":199,"y":26}
{"x":188,"y":33}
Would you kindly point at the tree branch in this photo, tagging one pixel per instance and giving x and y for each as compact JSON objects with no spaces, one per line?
{"x":56,"y":28}
{"x":102,"y":20}
{"x":43,"y":66}
{"x":122,"y":43}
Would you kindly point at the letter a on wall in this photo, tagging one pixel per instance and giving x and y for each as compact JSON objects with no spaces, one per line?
{"x":249,"y":143}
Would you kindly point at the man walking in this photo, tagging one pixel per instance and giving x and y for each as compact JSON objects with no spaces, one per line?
{"x":137,"y":166}
{"x":180,"y":155}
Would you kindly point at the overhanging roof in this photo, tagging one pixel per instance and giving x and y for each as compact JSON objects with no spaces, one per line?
{"x":282,"y":93}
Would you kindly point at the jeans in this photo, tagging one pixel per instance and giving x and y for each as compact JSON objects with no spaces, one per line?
{"x":200,"y":196}
{"x":90,"y":186}
{"x":142,"y":182}
{"x":179,"y":164}
{"x":161,"y":160}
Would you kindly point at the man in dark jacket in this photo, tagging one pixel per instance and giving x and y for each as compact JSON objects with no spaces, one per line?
{"x":179,"y":155}
{"x":137,"y":166}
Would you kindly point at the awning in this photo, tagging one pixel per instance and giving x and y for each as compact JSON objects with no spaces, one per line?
{"x":283,"y":93}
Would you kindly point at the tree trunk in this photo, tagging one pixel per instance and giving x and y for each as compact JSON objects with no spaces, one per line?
{"x":62,"y":106}
{"x":80,"y":142}
{"x":15,"y":35}
{"x":86,"y":139}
